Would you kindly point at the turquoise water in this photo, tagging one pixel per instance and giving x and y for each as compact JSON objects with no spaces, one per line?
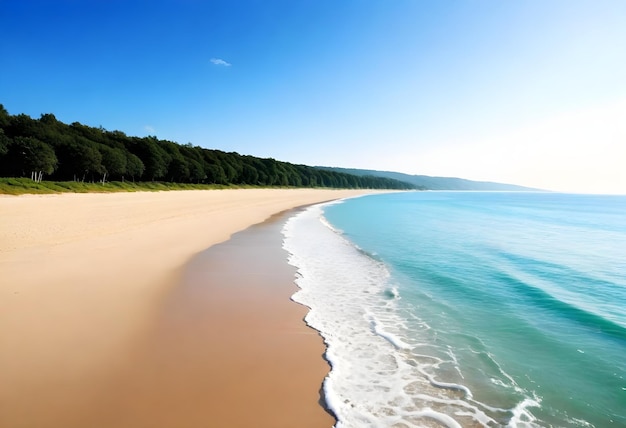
{"x":468,"y":309}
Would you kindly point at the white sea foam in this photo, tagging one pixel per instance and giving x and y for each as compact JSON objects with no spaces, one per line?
{"x":391,"y":338}
{"x":522,"y":418}
{"x":379,"y":376}
{"x":393,"y":292}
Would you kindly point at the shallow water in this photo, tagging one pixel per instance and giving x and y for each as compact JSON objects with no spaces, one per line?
{"x":468,"y":309}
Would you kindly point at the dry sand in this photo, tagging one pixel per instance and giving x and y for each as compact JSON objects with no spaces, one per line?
{"x":85,"y":281}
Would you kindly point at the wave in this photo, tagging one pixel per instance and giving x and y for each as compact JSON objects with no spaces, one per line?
{"x":378,"y":328}
{"x":539,"y":298}
{"x":380,"y":376}
{"x":602,"y":302}
{"x":517,"y":311}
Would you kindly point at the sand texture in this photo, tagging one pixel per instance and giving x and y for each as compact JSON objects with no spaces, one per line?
{"x":87,"y":283}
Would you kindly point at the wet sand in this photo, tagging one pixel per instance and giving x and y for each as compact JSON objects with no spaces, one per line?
{"x":94,"y":332}
{"x":229,"y":347}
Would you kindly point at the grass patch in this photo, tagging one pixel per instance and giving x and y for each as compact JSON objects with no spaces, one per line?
{"x":20,"y":186}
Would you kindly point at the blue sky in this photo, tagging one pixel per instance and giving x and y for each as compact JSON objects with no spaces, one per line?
{"x":531,"y":92}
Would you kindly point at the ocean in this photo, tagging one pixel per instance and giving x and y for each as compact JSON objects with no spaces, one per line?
{"x":468,"y":309}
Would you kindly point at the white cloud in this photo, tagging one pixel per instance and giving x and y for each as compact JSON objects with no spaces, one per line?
{"x":218,"y":61}
{"x":150,"y":130}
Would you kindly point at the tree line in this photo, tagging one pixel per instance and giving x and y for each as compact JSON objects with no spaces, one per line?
{"x":46,"y":147}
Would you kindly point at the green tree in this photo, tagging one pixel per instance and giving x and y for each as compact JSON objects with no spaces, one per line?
{"x":196,"y":171}
{"x":4,"y":149}
{"x":113,"y":161}
{"x":178,"y":170}
{"x":4,"y":142}
{"x":79,"y":160}
{"x":87,"y":152}
{"x":22,"y":125}
{"x":4,"y":117}
{"x":215,"y":174}
{"x":96,"y":135}
{"x":48,"y":119}
{"x":249,"y":175}
{"x":27,"y":155}
{"x":134,"y":166}
{"x":154,"y":158}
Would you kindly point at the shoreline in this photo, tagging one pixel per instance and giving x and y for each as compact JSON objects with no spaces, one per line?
{"x":83,"y":277}
{"x":225,"y":336}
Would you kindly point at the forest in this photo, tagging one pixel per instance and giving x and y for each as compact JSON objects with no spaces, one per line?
{"x":49,"y":149}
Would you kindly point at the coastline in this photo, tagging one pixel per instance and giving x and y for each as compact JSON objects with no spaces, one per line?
{"x":83,"y":280}
{"x":229,"y":347}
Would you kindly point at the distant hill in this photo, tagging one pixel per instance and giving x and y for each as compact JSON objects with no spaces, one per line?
{"x":425,"y":182}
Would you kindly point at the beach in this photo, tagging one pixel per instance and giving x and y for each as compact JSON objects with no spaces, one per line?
{"x":113,"y":314}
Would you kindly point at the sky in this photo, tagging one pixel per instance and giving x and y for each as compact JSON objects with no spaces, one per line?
{"x":528,"y":92}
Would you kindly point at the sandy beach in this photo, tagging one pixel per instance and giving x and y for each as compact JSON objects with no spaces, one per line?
{"x":101,"y":316}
